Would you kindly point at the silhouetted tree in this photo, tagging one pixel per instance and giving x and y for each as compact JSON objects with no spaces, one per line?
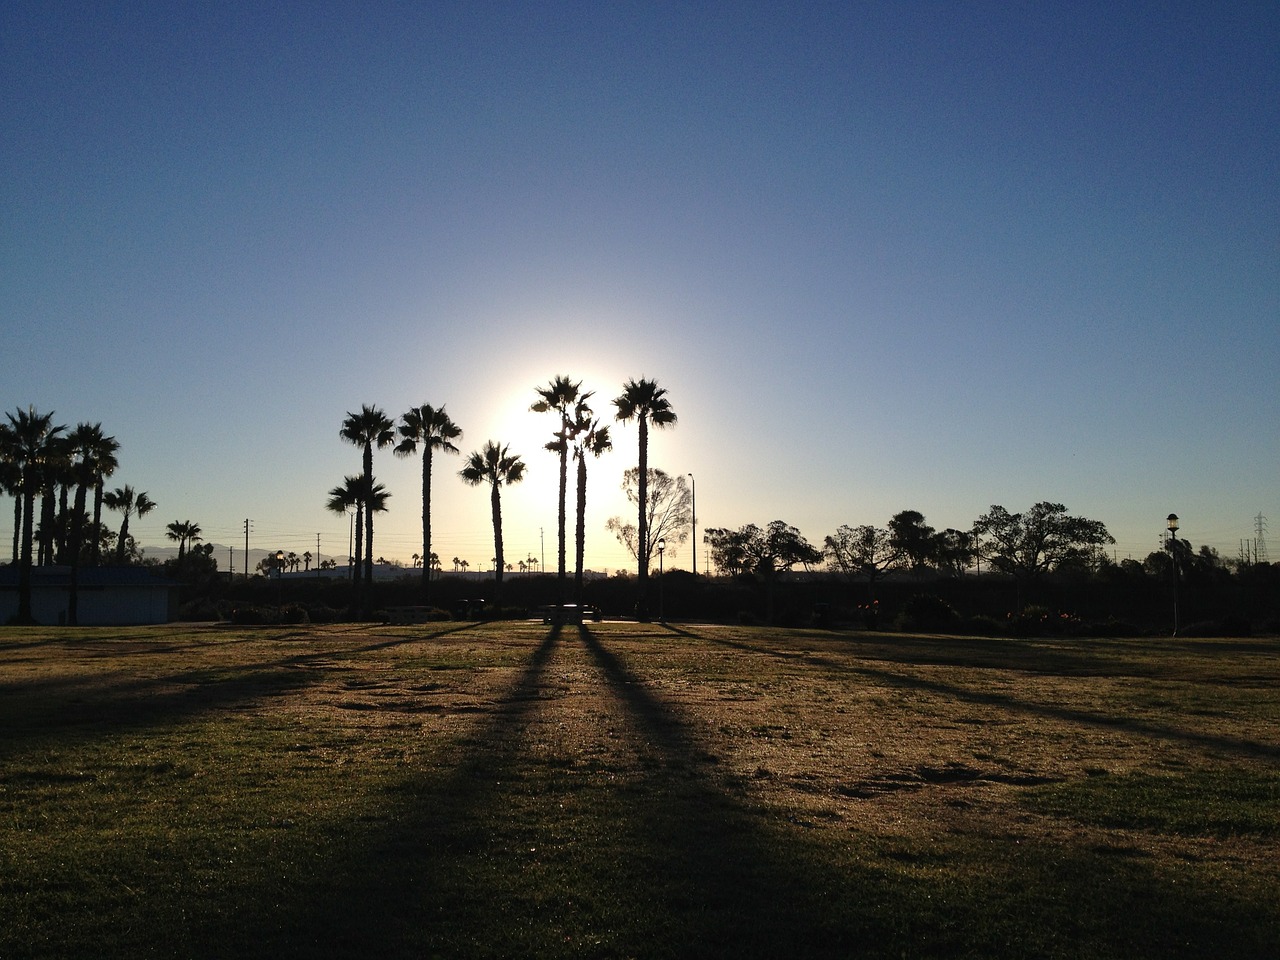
{"x":668,"y":512}
{"x":368,"y":429}
{"x":646,"y":403}
{"x":590,"y":438}
{"x":559,"y":397}
{"x":1024,"y":546}
{"x":495,"y":465}
{"x":431,"y":429}
{"x":863,"y":551}
{"x":126,"y":502}
{"x":27,"y":447}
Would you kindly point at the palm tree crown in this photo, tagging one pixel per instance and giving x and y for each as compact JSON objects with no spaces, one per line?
{"x":124,"y":500}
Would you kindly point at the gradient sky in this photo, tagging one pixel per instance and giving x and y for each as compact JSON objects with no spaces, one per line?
{"x":884,"y":256}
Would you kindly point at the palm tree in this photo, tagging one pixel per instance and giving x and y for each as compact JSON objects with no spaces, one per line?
{"x":496,"y":466}
{"x":184,"y":532}
{"x":128,"y":503}
{"x":589,"y":438}
{"x":559,"y":397}
{"x":11,"y":483}
{"x":27,"y":443}
{"x":367,"y":429}
{"x":341,"y":499}
{"x":646,"y":403}
{"x":104,"y":465}
{"x":434,"y":430}
{"x":306,"y":562}
{"x":94,"y":458}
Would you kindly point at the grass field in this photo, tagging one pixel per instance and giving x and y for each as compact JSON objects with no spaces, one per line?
{"x":469,"y":790}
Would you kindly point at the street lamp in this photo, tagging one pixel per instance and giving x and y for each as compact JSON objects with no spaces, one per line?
{"x":279,"y":577}
{"x":693,"y":510}
{"x":1173,"y":560}
{"x":662,"y":546}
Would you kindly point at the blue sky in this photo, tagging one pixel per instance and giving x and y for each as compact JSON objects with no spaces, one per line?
{"x":890,"y":256}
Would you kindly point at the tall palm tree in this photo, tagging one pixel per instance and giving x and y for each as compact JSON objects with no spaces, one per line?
{"x":104,"y":465}
{"x":646,"y":403}
{"x":29,"y":438}
{"x":57,"y":475}
{"x":368,"y":429}
{"x":375,"y":497}
{"x":590,"y":438}
{"x":93,"y":454}
{"x":87,"y":442}
{"x":496,"y":466}
{"x":341,"y":499}
{"x":559,"y":397}
{"x":11,"y":482}
{"x":433,"y":430}
{"x":124,"y":500}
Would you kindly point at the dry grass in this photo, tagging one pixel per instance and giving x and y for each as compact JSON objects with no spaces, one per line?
{"x":635,"y":790}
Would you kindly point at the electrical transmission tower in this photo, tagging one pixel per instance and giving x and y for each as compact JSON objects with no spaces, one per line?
{"x":1260,"y":544}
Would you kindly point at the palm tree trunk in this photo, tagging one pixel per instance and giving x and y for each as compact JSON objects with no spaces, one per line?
{"x":426,"y":524}
{"x":581,"y":531}
{"x":97,"y":521}
{"x":24,"y":567}
{"x":496,"y":502}
{"x":124,"y":537}
{"x":17,"y":526}
{"x":356,"y":563}
{"x":643,"y":525}
{"x":367,"y":591}
{"x":564,"y":489}
{"x":76,"y":533}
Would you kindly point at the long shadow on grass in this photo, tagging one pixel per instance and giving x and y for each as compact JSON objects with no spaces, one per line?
{"x":88,"y":704}
{"x":422,"y":875}
{"x":720,"y":879}
{"x":1231,"y":745}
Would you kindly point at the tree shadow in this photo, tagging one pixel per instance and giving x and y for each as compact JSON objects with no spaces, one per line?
{"x":1211,"y":742}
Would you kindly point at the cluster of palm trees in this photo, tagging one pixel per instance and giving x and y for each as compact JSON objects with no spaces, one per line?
{"x":43,"y":460}
{"x":578,"y":433}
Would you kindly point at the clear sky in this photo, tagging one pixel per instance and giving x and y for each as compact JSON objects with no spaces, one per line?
{"x":883,"y":256}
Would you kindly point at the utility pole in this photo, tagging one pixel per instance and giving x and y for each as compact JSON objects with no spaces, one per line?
{"x":247,"y":523}
{"x":317,"y":554}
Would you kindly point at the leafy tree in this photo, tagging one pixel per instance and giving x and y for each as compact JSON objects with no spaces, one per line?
{"x":646,"y":403}
{"x":27,"y":444}
{"x":124,"y":501}
{"x":368,"y":429}
{"x":497,"y":466}
{"x":953,"y":551}
{"x":863,"y":551}
{"x":668,"y":512}
{"x":560,"y":396}
{"x":1025,"y":545}
{"x":431,"y":429}
{"x":590,"y":438}
{"x":912,"y":539}
{"x":766,"y":553}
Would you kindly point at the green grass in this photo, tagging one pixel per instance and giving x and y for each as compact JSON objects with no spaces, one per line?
{"x":633,"y":791}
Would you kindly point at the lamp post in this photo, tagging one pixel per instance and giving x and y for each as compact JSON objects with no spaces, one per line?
{"x":693,"y":519}
{"x":1173,"y":563}
{"x":279,"y":577}
{"x":662,"y":546}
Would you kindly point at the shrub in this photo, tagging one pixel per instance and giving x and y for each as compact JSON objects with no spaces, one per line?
{"x":924,"y":611}
{"x":200,"y":609}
